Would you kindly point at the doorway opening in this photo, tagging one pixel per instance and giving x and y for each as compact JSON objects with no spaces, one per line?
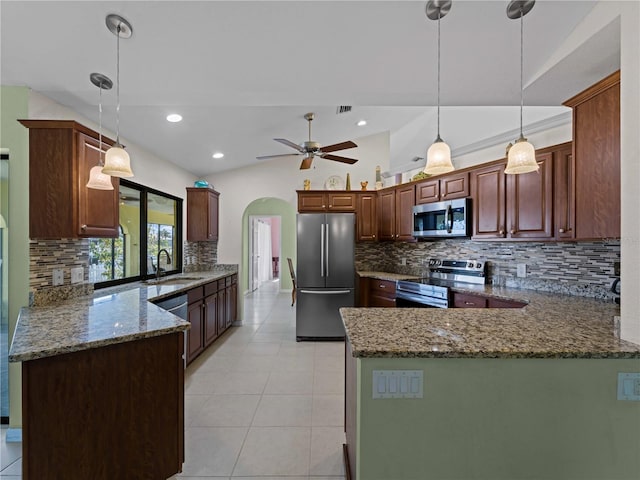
{"x":264,"y":250}
{"x":4,"y":292}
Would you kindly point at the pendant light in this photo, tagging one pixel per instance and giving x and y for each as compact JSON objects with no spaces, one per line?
{"x":439,"y":153}
{"x":97,"y":179}
{"x":521,"y":156}
{"x":117,"y":162}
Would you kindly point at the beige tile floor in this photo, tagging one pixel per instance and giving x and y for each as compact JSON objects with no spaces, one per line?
{"x":258,"y":404}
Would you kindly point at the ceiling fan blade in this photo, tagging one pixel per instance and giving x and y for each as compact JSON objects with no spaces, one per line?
{"x":337,"y":158}
{"x":265,"y":157}
{"x":338,"y":146}
{"x":288,"y":143}
{"x":306,"y":163}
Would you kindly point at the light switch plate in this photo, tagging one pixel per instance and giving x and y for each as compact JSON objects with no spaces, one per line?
{"x":521,"y":270}
{"x":77,"y":275}
{"x":58,"y":277}
{"x":397,"y":384}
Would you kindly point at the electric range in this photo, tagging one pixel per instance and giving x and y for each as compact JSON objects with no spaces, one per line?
{"x":434,"y":291}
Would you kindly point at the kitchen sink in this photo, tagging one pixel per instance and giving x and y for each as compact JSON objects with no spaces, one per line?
{"x":173,"y":281}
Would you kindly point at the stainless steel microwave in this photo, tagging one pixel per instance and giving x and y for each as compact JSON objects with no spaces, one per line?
{"x":451,"y":218}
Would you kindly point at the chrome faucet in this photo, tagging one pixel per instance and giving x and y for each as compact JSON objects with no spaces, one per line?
{"x":158,"y":273}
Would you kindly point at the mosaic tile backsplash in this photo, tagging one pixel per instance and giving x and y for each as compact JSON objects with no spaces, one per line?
{"x":200,"y":256}
{"x":574,"y":268}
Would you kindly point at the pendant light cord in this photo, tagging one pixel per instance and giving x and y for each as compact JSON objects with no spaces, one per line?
{"x":521,"y":66}
{"x":100,"y":164}
{"x":118,"y":84}
{"x":438,"y":139}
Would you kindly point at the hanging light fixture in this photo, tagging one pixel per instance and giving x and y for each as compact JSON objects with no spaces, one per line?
{"x":521,"y":156}
{"x":439,"y":153}
{"x":97,"y":179}
{"x":116,"y":161}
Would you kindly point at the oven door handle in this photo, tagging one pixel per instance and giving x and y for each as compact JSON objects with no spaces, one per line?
{"x":420,"y":299}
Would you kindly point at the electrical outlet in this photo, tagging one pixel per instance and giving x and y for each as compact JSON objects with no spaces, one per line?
{"x":403,"y":261}
{"x":58,"y":277}
{"x":629,"y":386}
{"x":521,"y":270}
{"x":77,"y":275}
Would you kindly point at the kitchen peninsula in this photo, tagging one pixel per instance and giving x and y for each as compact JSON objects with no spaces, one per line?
{"x":502,"y":393}
{"x":103,"y":383}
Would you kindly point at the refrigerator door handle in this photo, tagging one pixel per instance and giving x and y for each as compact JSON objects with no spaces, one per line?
{"x":322,"y":250}
{"x":326,"y":265}
{"x":325,"y":292}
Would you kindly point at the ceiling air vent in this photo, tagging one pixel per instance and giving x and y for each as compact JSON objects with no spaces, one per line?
{"x":343,"y":109}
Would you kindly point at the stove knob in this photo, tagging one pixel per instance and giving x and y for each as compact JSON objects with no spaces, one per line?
{"x":431,"y":262}
{"x":479,"y":265}
{"x":470,"y":265}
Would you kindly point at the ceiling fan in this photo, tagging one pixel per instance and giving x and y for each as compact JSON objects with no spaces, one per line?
{"x":312,"y":149}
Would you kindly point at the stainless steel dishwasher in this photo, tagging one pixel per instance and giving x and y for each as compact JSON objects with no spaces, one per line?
{"x":177,"y":305}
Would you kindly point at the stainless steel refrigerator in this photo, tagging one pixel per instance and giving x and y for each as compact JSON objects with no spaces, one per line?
{"x":324,"y":274}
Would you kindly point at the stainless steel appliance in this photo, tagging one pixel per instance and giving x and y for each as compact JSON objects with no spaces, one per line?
{"x":434,"y":290}
{"x":325,"y":274}
{"x":177,"y":305}
{"x":451,"y":218}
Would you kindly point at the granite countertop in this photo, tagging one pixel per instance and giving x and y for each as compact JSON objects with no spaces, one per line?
{"x":393,"y":277}
{"x":550,"y":326}
{"x":112,"y":315}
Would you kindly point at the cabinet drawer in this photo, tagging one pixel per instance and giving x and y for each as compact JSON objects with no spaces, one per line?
{"x":382,"y":288}
{"x":342,"y":202}
{"x":380,"y":301}
{"x":195,"y":294}
{"x":210,"y":288}
{"x":463,"y":300}
{"x":500,"y":303}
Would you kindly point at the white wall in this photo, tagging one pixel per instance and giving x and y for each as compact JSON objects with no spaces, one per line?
{"x":630,"y":169}
{"x":149,"y":170}
{"x":280,"y":178}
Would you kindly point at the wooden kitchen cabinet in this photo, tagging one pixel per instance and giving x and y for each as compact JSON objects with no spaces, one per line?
{"x":195,"y":316}
{"x":514,"y":207}
{"x":313,"y":201}
{"x":114,"y":411}
{"x":395,"y":213}
{"x":366,"y":216}
{"x":382,"y":293}
{"x":61,"y":154}
{"x":231,"y":292}
{"x":202,"y":214}
{"x":470,"y":300}
{"x":211,"y":330}
{"x":564,"y":192}
{"x":444,"y":188}
{"x":488,"y":192}
{"x":467,"y":300}
{"x":596,"y":156}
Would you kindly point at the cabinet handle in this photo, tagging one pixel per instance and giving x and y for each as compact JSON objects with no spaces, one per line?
{"x":501,"y":232}
{"x":469,"y":303}
{"x":381,"y":286}
{"x":512,"y":231}
{"x":204,"y":306}
{"x":83,"y":227}
{"x":323,"y":206}
{"x":561,"y":230}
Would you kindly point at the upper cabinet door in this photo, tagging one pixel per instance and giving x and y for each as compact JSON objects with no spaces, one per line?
{"x":405,"y":200}
{"x":310,"y":202}
{"x":488,"y":193}
{"x":367,"y":224}
{"x":530,"y":202}
{"x":202,"y":214}
{"x":564,"y":193}
{"x":596,"y":143}
{"x":61,"y":154}
{"x":427,"y":191}
{"x":387,"y":214}
{"x":454,"y":186}
{"x":98,"y":210}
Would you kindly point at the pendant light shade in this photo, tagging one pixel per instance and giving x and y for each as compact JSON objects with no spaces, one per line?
{"x":439,"y":153}
{"x":521,"y":157}
{"x":438,"y":158}
{"x":97,"y":179}
{"x":116,"y":161}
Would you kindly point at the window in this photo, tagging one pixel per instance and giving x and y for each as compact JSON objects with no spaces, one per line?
{"x":150,"y":222}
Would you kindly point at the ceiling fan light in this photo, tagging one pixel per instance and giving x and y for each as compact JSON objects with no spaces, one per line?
{"x":117,"y":162}
{"x":521,"y":158}
{"x":98,"y":180}
{"x":438,"y":159}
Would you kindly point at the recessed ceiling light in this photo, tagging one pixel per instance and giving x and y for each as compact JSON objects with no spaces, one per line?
{"x":361,"y":123}
{"x":174,"y":117}
{"x":218,"y":155}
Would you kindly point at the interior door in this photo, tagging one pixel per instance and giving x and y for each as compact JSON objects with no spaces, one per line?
{"x":254,"y":255}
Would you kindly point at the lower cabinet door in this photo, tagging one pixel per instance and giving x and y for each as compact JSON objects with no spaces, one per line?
{"x":195,"y":338}
{"x":210,"y":319}
{"x":222,"y":319}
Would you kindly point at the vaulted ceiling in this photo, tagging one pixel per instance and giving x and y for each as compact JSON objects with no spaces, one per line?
{"x":243,"y":72}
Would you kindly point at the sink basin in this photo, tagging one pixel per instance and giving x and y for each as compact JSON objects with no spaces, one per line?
{"x":173,"y":281}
